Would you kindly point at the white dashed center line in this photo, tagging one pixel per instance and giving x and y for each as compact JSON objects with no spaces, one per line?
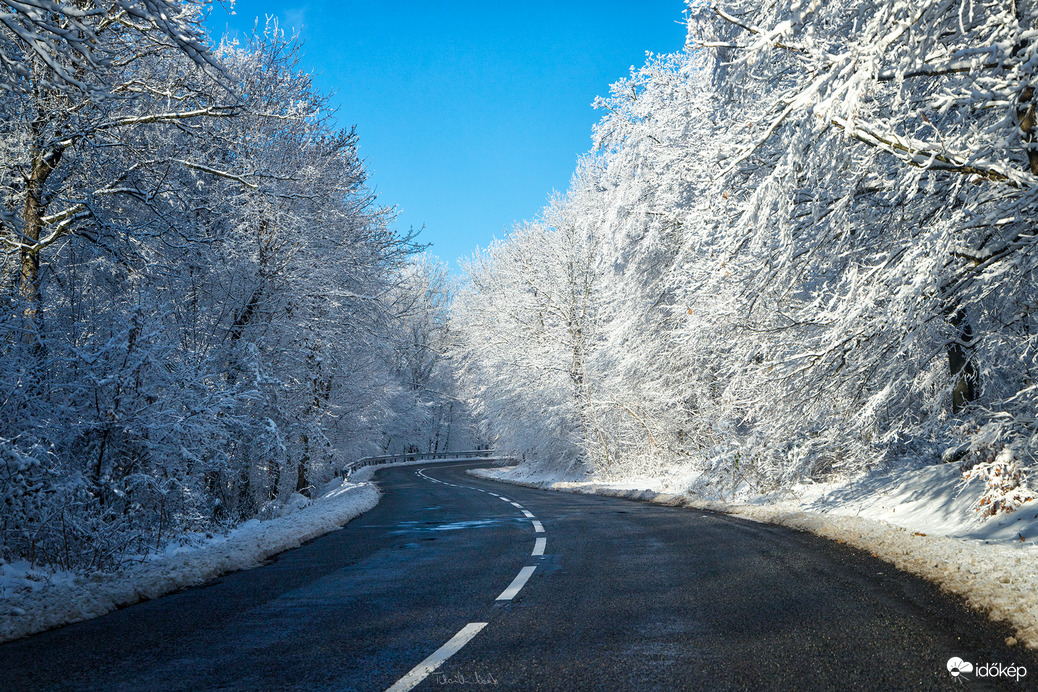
{"x":426,"y":667}
{"x":422,"y":670}
{"x":517,"y":583}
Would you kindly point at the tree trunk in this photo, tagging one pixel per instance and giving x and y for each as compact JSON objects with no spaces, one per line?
{"x":32,"y":219}
{"x":275,"y":481}
{"x":302,"y":483}
{"x":246,"y":508}
{"x":450,"y":424}
{"x":1028,"y":119}
{"x":962,"y":364}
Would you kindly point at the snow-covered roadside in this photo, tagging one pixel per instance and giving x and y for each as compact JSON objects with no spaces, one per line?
{"x":32,"y":601}
{"x":920,"y":521}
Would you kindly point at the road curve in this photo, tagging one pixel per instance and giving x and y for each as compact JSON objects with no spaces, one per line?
{"x":458,"y":582}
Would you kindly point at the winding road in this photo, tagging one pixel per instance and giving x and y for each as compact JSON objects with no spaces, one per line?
{"x":455,"y":582}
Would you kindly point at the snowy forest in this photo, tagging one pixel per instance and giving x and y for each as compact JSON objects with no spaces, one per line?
{"x":204,"y":311}
{"x":802,"y":246}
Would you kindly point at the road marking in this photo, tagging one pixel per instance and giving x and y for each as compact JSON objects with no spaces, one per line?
{"x":495,"y":494}
{"x":425,"y":668}
{"x":517,"y":583}
{"x":528,"y":513}
{"x":504,"y":498}
{"x":516,"y":504}
{"x":538,"y":546}
{"x":537,"y":527}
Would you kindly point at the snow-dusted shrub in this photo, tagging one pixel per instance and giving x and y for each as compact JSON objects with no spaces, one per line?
{"x":1005,"y":484}
{"x":1002,"y":465}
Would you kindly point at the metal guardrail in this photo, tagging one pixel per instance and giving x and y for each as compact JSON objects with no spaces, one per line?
{"x":352,"y":467}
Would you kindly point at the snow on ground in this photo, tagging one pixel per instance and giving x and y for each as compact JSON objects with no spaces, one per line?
{"x":34,"y":600}
{"x":920,"y":520}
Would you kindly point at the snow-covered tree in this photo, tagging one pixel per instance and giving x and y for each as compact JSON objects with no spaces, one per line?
{"x":893,"y":205}
{"x":83,"y":85}
{"x":526,"y":324}
{"x":812,"y":241}
{"x":209,"y":325}
{"x":429,"y":415}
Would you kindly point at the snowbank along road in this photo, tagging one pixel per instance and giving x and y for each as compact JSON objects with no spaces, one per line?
{"x":458,"y":582}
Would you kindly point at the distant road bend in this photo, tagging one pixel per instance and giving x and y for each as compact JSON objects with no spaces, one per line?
{"x":454,"y":582}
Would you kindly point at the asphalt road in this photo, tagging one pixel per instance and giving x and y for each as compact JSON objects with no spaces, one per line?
{"x":627,"y":596}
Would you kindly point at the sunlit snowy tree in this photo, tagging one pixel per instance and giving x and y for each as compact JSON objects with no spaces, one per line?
{"x":812,"y":231}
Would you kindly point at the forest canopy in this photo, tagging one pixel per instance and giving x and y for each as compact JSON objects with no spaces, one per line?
{"x":204,"y":308}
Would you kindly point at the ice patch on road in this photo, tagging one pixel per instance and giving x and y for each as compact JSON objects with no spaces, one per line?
{"x":33,"y":601}
{"x":917,"y":519}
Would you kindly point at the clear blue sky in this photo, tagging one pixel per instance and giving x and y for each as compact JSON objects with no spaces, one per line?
{"x":469,"y":113}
